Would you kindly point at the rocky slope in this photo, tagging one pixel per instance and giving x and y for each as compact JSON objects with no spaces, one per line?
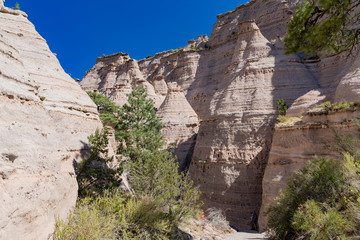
{"x":232,"y":80}
{"x":45,"y":120}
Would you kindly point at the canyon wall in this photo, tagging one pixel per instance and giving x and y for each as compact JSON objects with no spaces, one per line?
{"x":45,"y":120}
{"x":232,"y":80}
{"x":311,"y":130}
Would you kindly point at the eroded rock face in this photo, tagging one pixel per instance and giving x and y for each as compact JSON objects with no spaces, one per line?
{"x":232,"y":80}
{"x":180,"y":124}
{"x":115,"y":76}
{"x":313,"y":128}
{"x":45,"y":120}
{"x":296,"y":143}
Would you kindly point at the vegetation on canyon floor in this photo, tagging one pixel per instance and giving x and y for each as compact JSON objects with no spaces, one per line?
{"x":163,"y":198}
{"x":321,"y":200}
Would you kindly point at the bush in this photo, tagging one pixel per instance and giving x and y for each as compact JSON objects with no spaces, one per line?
{"x":323,"y":192}
{"x":117,"y":216}
{"x":336,"y":106}
{"x":281,"y":107}
{"x":320,"y":221}
{"x":98,"y":172}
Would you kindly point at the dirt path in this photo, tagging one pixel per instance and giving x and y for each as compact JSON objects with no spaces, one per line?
{"x":251,"y":235}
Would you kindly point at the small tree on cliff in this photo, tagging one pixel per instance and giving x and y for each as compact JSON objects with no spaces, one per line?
{"x":324,"y":25}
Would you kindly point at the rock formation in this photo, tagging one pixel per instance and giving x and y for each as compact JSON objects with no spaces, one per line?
{"x":115,"y":76}
{"x":45,"y":120}
{"x":311,"y":130}
{"x":232,"y":80}
{"x":180,"y":124}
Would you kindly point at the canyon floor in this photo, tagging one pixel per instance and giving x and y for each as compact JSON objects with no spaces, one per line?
{"x":246,"y":235}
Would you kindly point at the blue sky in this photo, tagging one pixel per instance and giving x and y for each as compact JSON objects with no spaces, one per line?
{"x":79,"y":31}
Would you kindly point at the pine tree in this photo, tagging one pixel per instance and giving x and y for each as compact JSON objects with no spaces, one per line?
{"x":108,"y":110}
{"x":324,"y":25}
{"x":139,"y":127}
{"x":95,"y":173}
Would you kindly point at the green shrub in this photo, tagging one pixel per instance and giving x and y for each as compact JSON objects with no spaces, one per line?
{"x":87,"y":222}
{"x":320,"y":221}
{"x":98,"y":172}
{"x":17,"y":6}
{"x":117,"y":216}
{"x":149,"y":56}
{"x":323,"y":187}
{"x":336,"y":106}
{"x":281,"y":107}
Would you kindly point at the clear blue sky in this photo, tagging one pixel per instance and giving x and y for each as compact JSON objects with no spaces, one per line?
{"x":79,"y":31}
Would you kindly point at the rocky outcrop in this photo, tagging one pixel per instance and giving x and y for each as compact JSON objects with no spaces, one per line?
{"x":232,"y":80}
{"x":299,"y":140}
{"x":180,"y":125}
{"x":45,"y":120}
{"x":115,"y":76}
{"x":310,"y":130}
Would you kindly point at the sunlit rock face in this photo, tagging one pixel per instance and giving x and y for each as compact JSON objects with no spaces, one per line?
{"x":313,"y":130}
{"x":116,"y":76}
{"x":45,"y":120}
{"x":232,"y":81}
{"x":180,"y":124}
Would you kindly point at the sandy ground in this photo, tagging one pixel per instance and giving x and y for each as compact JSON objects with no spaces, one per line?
{"x":246,"y":235}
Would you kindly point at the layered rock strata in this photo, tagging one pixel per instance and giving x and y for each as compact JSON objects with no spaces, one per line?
{"x":301,"y":139}
{"x":180,"y":125}
{"x":45,"y":120}
{"x":310,"y":129}
{"x":116,"y":76}
{"x":232,"y":80}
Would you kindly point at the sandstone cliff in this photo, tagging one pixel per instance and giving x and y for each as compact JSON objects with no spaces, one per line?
{"x":311,"y":130}
{"x":45,"y":120}
{"x":180,"y":125}
{"x":232,"y":80}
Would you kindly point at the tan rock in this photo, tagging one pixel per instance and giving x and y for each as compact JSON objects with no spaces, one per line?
{"x":232,"y":81}
{"x":45,"y":120}
{"x":180,"y":124}
{"x":116,"y":76}
{"x":298,"y":143}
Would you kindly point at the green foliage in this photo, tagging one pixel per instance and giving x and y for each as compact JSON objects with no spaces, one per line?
{"x":109,"y":112}
{"x":152,"y":171}
{"x":336,"y":106}
{"x":163,"y":197}
{"x":149,"y":56}
{"x":138,"y":128}
{"x":17,"y":6}
{"x":98,"y":172}
{"x":87,"y":222}
{"x":117,"y":216}
{"x":281,"y":107}
{"x":155,"y":174}
{"x":323,"y":25}
{"x":323,"y":192}
{"x":320,"y":221}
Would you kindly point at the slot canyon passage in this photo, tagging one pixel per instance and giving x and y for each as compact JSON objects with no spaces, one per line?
{"x":216,"y":98}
